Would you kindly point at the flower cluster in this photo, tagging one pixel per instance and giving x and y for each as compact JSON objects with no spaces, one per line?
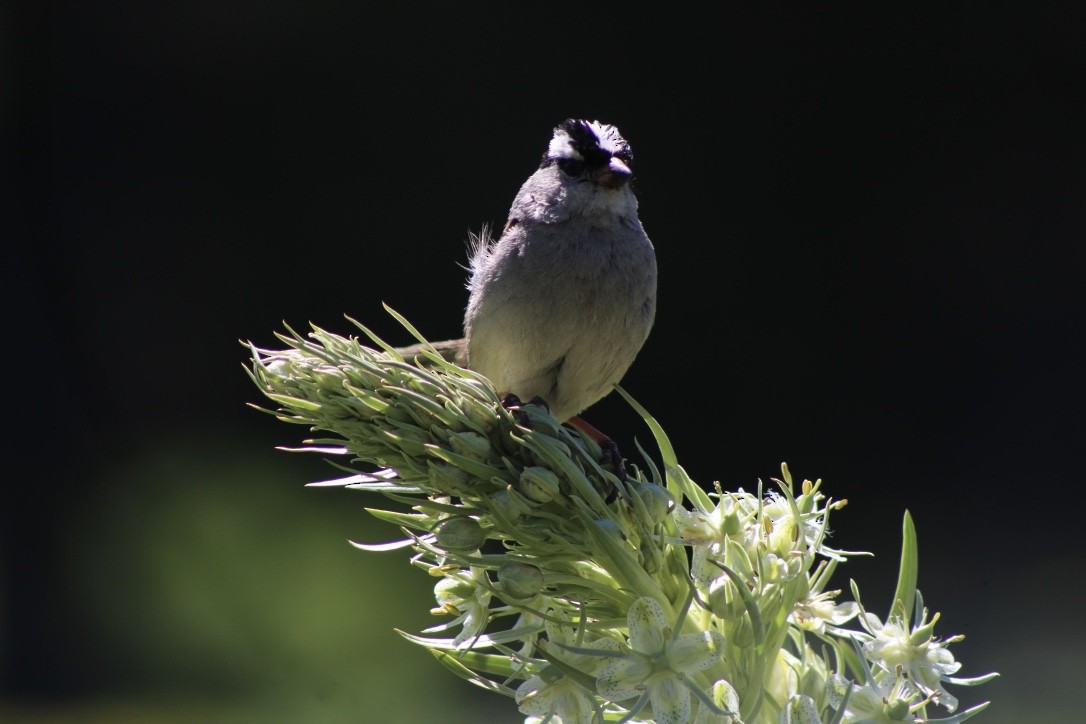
{"x":587,"y":595}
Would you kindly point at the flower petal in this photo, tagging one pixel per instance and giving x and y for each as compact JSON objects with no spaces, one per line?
{"x":623,"y":678}
{"x":670,"y":701}
{"x":695,"y":652}
{"x":646,"y":622}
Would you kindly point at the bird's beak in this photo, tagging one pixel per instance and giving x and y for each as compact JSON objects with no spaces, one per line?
{"x":614,"y":175}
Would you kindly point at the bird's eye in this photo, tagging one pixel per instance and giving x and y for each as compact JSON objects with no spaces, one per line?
{"x":571,"y":166}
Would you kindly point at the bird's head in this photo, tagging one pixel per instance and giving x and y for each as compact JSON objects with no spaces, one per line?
{"x":590,"y":151}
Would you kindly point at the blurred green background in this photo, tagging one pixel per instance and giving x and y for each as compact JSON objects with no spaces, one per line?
{"x":871,"y":229}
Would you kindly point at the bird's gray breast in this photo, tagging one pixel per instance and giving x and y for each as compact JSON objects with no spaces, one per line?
{"x":561,"y":310}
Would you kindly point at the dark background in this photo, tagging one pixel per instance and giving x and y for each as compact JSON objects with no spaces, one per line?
{"x":871,"y":234}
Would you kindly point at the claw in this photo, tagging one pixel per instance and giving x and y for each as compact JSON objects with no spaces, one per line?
{"x":512,"y":403}
{"x":608,"y":447}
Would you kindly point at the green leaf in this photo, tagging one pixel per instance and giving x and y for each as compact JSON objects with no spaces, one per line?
{"x":454,"y":664}
{"x":906,"y":579}
{"x":586,"y":680}
{"x":406,"y":520}
{"x":402,"y":320}
{"x":751,"y":605}
{"x":961,"y":716}
{"x":294,"y":402}
{"x":679,"y":483}
{"x":621,"y":565}
{"x":469,"y":465}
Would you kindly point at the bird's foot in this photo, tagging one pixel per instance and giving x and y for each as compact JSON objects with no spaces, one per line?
{"x":513,"y":404}
{"x":611,"y":454}
{"x":608,"y":447}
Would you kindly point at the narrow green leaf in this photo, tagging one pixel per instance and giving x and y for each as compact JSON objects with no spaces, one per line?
{"x":961,"y":716}
{"x":757,"y":627}
{"x":679,"y":483}
{"x":906,"y":579}
{"x":407,"y":520}
{"x":625,"y":569}
{"x":469,"y":465}
{"x":452,"y":663}
{"x":403,"y":320}
{"x":586,"y":680}
{"x":294,"y":402}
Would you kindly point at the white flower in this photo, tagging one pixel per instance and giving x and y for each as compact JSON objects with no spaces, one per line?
{"x":550,"y":692}
{"x":884,"y":698}
{"x":656,"y":668}
{"x":814,"y":612}
{"x":925,"y":660}
{"x":703,"y":532}
{"x":465,"y":595}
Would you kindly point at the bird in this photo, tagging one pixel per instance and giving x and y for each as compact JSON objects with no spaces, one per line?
{"x":562,"y":301}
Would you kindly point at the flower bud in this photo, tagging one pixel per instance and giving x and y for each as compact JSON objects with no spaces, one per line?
{"x":329,"y":378}
{"x":520,"y":580}
{"x":447,"y":478}
{"x":454,"y":590}
{"x":480,"y":415}
{"x":470,"y":444}
{"x":896,"y":709}
{"x":538,"y":484}
{"x":509,"y":505}
{"x":724,"y":601}
{"x":460,"y":534}
{"x":658,"y":502}
{"x":730,"y":524}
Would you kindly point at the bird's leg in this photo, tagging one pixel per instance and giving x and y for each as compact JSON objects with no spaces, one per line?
{"x":608,"y":446}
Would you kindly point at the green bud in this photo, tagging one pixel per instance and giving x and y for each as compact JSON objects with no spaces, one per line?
{"x":509,"y":505}
{"x":470,"y":444}
{"x":538,"y":484}
{"x":725,"y":603}
{"x":520,"y":580}
{"x":460,"y":534}
{"x":896,"y":710}
{"x":447,"y":478}
{"x":731,"y":525}
{"x":329,"y":378}
{"x":452,"y":588}
{"x":923,"y":633}
{"x":279,"y":375}
{"x":739,"y":632}
{"x":658,"y":502}
{"x":480,"y":416}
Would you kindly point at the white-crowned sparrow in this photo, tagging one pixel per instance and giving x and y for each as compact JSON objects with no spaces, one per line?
{"x":561,"y":303}
{"x":564,"y":299}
